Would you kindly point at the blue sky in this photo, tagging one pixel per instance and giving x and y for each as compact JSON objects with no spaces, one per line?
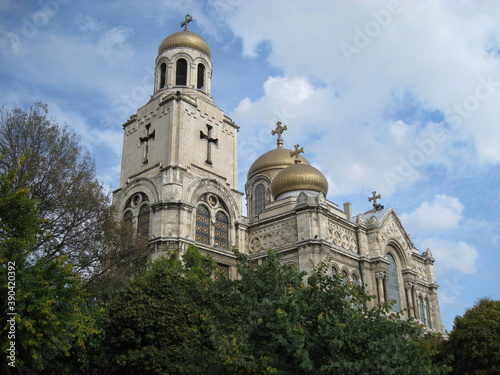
{"x":398,"y":97}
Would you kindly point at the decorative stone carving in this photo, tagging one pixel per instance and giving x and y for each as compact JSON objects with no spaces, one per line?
{"x":391,"y":230}
{"x":273,"y":236}
{"x":421,"y":272}
{"x":360,"y":219}
{"x":342,"y":237}
{"x":373,"y":222}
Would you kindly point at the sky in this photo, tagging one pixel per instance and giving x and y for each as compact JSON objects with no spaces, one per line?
{"x":398,"y":97}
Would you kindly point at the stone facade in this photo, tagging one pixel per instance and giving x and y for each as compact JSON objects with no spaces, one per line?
{"x":179,"y":187}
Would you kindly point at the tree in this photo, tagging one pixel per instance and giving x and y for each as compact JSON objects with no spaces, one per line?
{"x":58,"y":239}
{"x":178,"y":320}
{"x":286,"y":327}
{"x":154,"y":325}
{"x":77,"y":220}
{"x":474,"y":341}
{"x":61,"y":178}
{"x":44,"y":303}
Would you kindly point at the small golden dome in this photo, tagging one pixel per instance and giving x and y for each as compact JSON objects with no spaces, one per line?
{"x":279,"y":158}
{"x":299,"y":177}
{"x":185,"y":38}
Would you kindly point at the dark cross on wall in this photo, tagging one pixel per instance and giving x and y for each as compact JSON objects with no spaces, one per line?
{"x":210,"y":140}
{"x":145,"y":140}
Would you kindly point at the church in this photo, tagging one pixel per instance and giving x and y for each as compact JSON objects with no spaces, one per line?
{"x":178,"y":187}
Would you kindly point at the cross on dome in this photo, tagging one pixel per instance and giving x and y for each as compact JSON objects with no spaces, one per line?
{"x":185,"y":23}
{"x":296,"y":153}
{"x":279,"y":130}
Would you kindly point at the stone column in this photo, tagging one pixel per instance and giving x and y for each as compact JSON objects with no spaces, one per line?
{"x":409,"y":298}
{"x":380,"y":286}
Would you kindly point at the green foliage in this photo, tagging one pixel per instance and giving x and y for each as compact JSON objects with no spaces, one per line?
{"x":176,"y":319}
{"x":61,"y":179}
{"x":154,"y":325}
{"x":57,"y":228}
{"x":474,"y":341}
{"x":19,"y":219}
{"x":48,"y":297}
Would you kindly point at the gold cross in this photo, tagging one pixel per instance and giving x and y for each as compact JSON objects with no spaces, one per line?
{"x":279,"y":130}
{"x":185,"y":23}
{"x":296,"y":153}
{"x":374,"y":199}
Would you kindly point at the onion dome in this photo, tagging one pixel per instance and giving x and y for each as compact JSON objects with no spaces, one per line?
{"x":299,"y":177}
{"x":273,"y":161}
{"x":185,"y":39}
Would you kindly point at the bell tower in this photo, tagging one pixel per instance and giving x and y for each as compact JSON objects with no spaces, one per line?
{"x":179,"y":161}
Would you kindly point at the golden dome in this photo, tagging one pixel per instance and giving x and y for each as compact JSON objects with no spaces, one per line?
{"x":279,"y":158}
{"x":299,"y":177}
{"x":185,"y":38}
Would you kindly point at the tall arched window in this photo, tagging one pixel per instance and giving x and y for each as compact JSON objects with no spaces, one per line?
{"x":163,"y":75}
{"x":260,"y":198}
{"x":393,"y":284}
{"x":200,"y":83}
{"x":422,"y":310}
{"x":143,"y":222}
{"x":181,"y":72}
{"x":202,"y":224}
{"x":221,"y":237}
{"x":428,"y":310}
{"x":127,"y":218}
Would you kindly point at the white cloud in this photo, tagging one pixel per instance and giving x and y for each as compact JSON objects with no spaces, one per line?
{"x":442,"y":214}
{"x":451,"y":255}
{"x":435,"y":52}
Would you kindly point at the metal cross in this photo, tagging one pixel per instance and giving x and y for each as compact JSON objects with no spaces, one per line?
{"x":210,"y":140}
{"x":374,"y":199}
{"x":149,"y":136}
{"x":279,"y":130}
{"x":296,"y":153}
{"x":185,"y":23}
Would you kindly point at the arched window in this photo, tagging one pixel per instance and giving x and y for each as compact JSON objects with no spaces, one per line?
{"x":200,"y":83}
{"x":181,"y":72}
{"x":428,"y":310}
{"x":393,"y":284}
{"x":422,"y":310}
{"x":163,"y":75}
{"x":202,"y":224}
{"x":221,"y":237}
{"x":143,"y":222}
{"x":260,"y":198}
{"x":127,"y":218}
{"x":355,"y":279}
